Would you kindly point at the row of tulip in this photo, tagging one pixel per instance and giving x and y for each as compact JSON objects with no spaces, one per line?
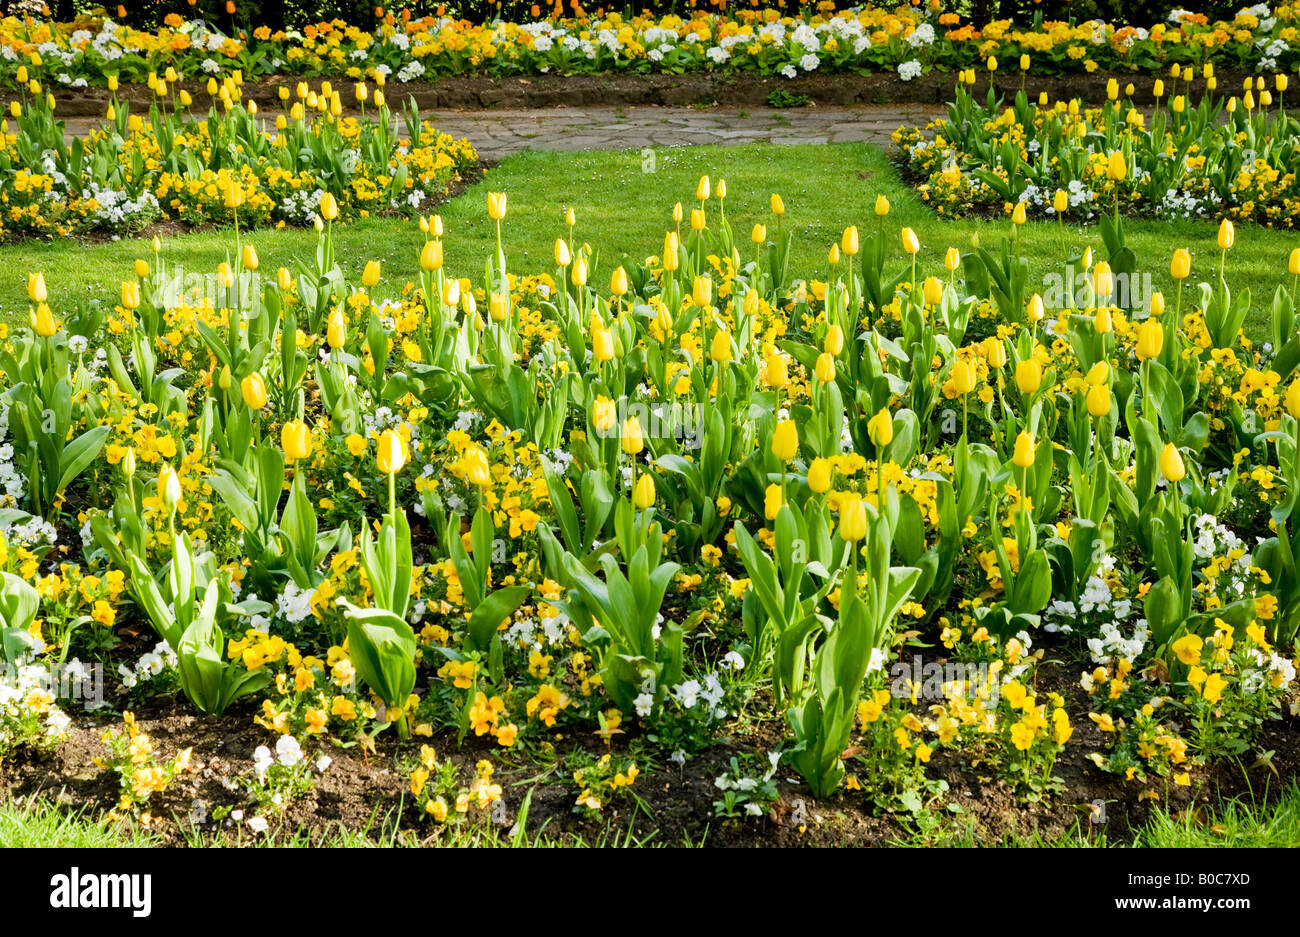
{"x":907,"y":40}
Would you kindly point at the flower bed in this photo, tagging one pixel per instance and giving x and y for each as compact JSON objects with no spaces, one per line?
{"x":636,"y":505}
{"x":906,"y":41}
{"x":226,"y":165}
{"x":1221,"y":156}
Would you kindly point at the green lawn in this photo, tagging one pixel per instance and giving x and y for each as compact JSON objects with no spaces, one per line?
{"x":623,"y":212}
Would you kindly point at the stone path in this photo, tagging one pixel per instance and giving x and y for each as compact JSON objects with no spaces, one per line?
{"x":497,"y":134}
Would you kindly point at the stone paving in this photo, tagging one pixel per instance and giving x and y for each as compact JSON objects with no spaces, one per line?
{"x":497,"y":134}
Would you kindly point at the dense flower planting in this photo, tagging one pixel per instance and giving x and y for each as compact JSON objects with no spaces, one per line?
{"x":909,"y":41}
{"x":223,"y":164}
{"x":1221,"y":156}
{"x":648,"y":501}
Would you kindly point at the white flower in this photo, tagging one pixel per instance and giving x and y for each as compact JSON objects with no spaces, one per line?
{"x":288,"y":751}
{"x":733,"y":661}
{"x":258,"y":824}
{"x":644,"y":704}
{"x":323,"y":763}
{"x":261,"y":761}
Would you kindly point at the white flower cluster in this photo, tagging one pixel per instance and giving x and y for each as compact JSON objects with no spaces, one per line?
{"x":117,"y":208}
{"x":24,"y":689}
{"x":909,"y":70}
{"x":162,"y":658}
{"x":294,"y":603}
{"x":1113,"y":646}
{"x":288,"y":753}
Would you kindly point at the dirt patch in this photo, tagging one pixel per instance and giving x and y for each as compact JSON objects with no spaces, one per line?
{"x":365,"y":791}
{"x":614,"y":90}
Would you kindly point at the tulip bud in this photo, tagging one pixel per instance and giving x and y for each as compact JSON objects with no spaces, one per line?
{"x":130,"y":294}
{"x":759,"y":234}
{"x":1293,"y":263}
{"x":833,"y":255}
{"x":1101,"y":321}
{"x":778,"y":206}
{"x":720,"y":351}
{"x":1293,"y":399}
{"x":1171,"y":463}
{"x":1116,"y":166}
{"x":562,"y":256}
{"x":602,"y":345}
{"x":633,"y":440}
{"x":499,"y":307}
{"x":497,"y":205}
{"x":911,"y":244}
{"x":1035,"y":311}
{"x":370,"y":275}
{"x":671,"y":260}
{"x":329,"y":207}
{"x":42,"y":321}
{"x":169,"y":488}
{"x":1103,"y":280}
{"x":250,"y":257}
{"x":1018,"y":216}
{"x":702,"y":190}
{"x":952,"y":259}
{"x":1060,"y":201}
{"x":618,"y":282}
{"x":776,"y":373}
{"x":882,"y":206}
{"x":128,"y":462}
{"x":995,"y":352}
{"x":698,"y":221}
{"x":1157,"y":304}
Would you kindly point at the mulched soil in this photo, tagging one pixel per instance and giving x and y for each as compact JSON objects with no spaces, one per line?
{"x":365,"y":791}
{"x":616,"y":90}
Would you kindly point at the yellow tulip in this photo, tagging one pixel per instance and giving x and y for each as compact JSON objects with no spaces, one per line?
{"x":833,"y":343}
{"x":1098,"y":400}
{"x":431,"y":256}
{"x":141,"y":267}
{"x":36,"y":287}
{"x":42,"y":320}
{"x":932,"y":290}
{"x":283,"y":279}
{"x":1227,"y":234}
{"x":911,"y":243}
{"x":1060,"y":201}
{"x":1293,"y":399}
{"x":759,"y":234}
{"x":603,"y":415}
{"x":882,"y":206}
{"x":952,"y":259}
{"x":496,"y":205}
{"x":825,"y":368}
{"x":250,"y":257}
{"x":1103,"y":280}
{"x":720,"y":350}
{"x":698,"y":221}
{"x":295,"y":440}
{"x":633,"y":440}
{"x":773,"y":498}
{"x":1171,"y":463}
{"x":499,"y":307}
{"x":130,"y":294}
{"x":1116,"y":166}
{"x":475,"y":464}
{"x":1101,"y":321}
{"x":336,"y":329}
{"x":562,"y":256}
{"x":1099,"y":373}
{"x":963,"y":376}
{"x":1293,"y":263}
{"x":833,"y":255}
{"x":1035,"y":311}
{"x":671,"y":245}
{"x":643,"y":496}
{"x":1024,"y":451}
{"x":618,"y":282}
{"x":995,"y":352}
{"x":778,"y":206}
{"x":785,"y":440}
{"x":1151,"y":338}
{"x":1018,"y":216}
{"x":578,"y":273}
{"x":880,"y":428}
{"x":329,"y":207}
{"x":1157,"y":304}
{"x":1028,"y":376}
{"x":777,"y":374}
{"x":253,"y":389}
{"x":849,"y":240}
{"x":602,"y":345}
{"x":702,"y":189}
{"x":853,"y":520}
{"x":391,"y":453}
{"x":370,"y":275}
{"x":1180,"y":267}
{"x":702,"y":291}
{"x":819,"y":475}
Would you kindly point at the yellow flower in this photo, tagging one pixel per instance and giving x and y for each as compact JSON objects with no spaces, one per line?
{"x":1188,"y":649}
